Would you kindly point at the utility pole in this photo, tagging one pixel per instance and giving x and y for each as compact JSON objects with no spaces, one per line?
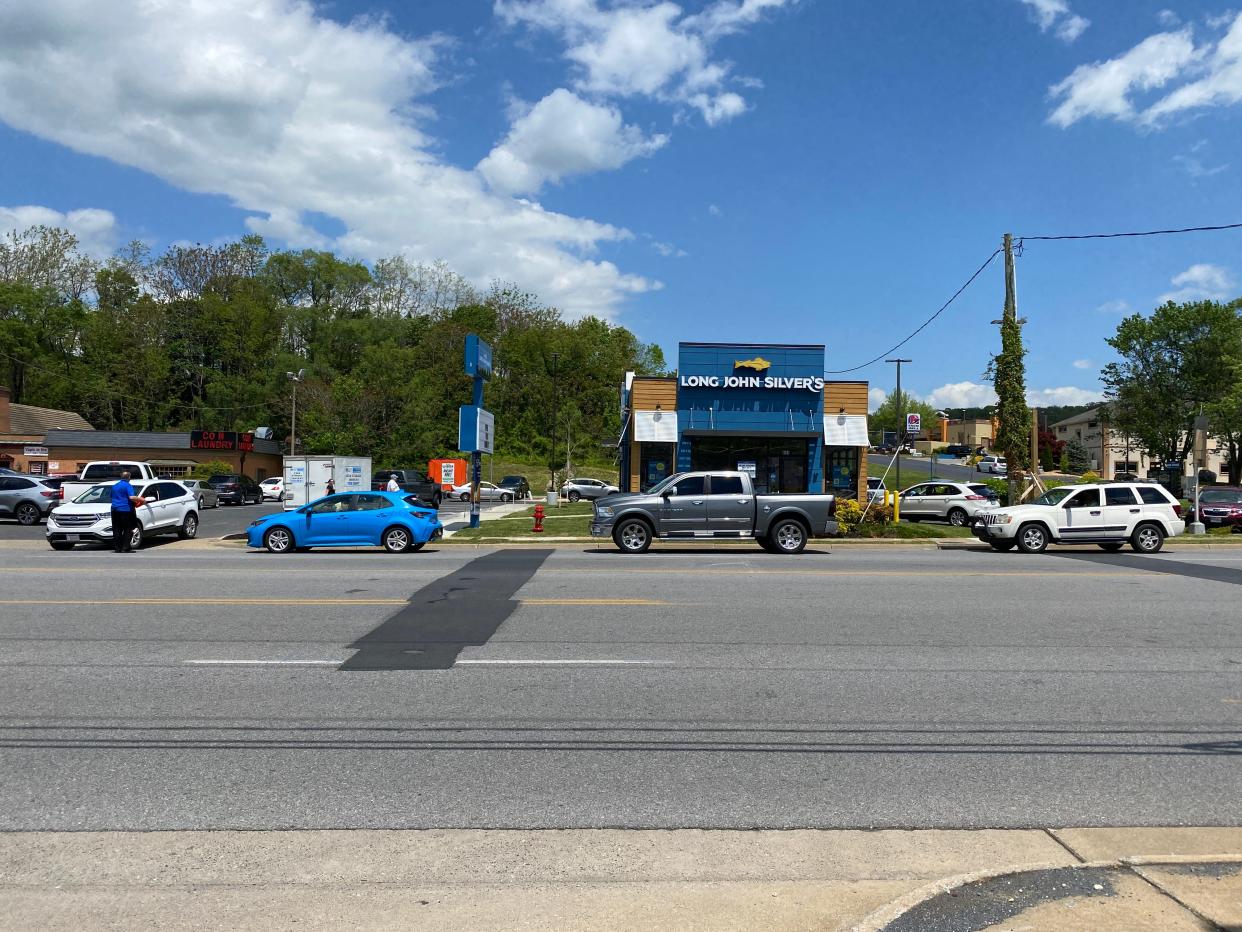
{"x":552,"y":449}
{"x":293,"y":422}
{"x":1010,"y":379}
{"x":900,"y":404}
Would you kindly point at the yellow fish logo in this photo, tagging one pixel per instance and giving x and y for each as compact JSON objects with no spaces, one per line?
{"x":758,"y":364}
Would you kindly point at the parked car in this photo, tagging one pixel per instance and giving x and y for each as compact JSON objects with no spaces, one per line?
{"x":411,"y":481}
{"x":396,"y":521}
{"x":875,"y":489}
{"x":518,"y":485}
{"x":959,"y":503}
{"x":1221,"y":507}
{"x":274,"y":488}
{"x":236,"y":488}
{"x":26,"y":498}
{"x":716,"y":505}
{"x":170,"y":508}
{"x":206,"y":495}
{"x":959,"y":450}
{"x":590,"y":489}
{"x":105,"y":471}
{"x":1108,"y":514}
{"x":488,"y":492}
{"x":992,"y":464}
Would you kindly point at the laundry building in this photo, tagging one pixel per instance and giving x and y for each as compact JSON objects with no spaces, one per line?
{"x":763,"y":409}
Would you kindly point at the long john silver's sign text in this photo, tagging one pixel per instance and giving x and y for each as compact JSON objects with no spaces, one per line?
{"x":751,"y":381}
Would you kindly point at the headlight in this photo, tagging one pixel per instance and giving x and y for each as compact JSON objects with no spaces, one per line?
{"x":256,"y":523}
{"x":1003,"y":519}
{"x":604,"y":511}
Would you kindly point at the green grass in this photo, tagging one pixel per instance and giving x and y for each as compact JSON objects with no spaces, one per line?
{"x":537,"y":473}
{"x":904,"y":530}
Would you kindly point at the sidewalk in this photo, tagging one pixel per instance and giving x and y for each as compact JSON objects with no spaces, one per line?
{"x":1098,"y":879}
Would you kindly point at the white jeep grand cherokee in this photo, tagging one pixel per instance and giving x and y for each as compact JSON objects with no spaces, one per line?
{"x":1109,"y":514}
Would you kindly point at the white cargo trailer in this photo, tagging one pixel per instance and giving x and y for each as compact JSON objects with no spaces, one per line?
{"x":306,"y":477}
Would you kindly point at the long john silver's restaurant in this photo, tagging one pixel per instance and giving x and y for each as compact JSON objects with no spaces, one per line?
{"x":761,"y":408}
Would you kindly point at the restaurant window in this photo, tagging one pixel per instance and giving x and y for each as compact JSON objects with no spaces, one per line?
{"x":841,"y":465}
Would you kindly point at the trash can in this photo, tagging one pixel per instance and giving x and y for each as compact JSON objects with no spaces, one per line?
{"x":551,"y":499}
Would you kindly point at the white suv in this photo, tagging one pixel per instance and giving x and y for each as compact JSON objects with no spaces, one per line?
{"x":170,"y":508}
{"x":1109,"y":514}
{"x":993,"y":464}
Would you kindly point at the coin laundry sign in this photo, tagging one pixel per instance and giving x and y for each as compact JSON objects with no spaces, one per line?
{"x":810,"y":384}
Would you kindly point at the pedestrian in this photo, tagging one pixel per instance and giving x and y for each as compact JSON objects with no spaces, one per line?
{"x":393,"y":484}
{"x":124,"y":498}
{"x":331,"y":488}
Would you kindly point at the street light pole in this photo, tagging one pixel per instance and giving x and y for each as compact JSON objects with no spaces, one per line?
{"x":901,"y":422}
{"x":293,"y":422}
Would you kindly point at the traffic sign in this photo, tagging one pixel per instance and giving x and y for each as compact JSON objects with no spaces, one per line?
{"x":914,"y":423}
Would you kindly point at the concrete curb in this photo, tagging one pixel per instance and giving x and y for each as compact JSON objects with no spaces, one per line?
{"x":879,"y":919}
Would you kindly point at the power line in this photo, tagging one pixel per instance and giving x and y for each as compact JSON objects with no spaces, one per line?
{"x":944,"y":307}
{"x":1225,"y":226}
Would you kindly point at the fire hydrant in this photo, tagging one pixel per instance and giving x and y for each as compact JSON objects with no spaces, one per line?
{"x":538,"y":529}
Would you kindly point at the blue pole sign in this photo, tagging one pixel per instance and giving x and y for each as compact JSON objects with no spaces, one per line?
{"x":476,"y":429}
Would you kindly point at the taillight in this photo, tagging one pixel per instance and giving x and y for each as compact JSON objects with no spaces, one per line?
{"x":1177,"y":509}
{"x":60,"y":493}
{"x":976,"y":498}
{"x":50,"y":493}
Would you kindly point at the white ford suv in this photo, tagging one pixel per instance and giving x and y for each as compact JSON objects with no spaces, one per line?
{"x":170,"y":508}
{"x":1109,"y":514}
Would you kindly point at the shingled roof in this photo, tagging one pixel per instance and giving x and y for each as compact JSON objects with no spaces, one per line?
{"x":27,"y":419}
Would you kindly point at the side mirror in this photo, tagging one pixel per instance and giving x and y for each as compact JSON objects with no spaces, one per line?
{"x":668,"y":493}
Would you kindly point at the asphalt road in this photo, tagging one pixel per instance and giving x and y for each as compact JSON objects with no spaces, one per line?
{"x":196,"y":685}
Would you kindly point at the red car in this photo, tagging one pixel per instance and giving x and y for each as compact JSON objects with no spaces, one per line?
{"x":1221,"y":506}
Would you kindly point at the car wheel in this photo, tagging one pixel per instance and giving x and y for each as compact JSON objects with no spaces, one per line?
{"x":573,"y":497}
{"x":135,"y":538}
{"x":506,"y":498}
{"x":465,"y":496}
{"x":1002,"y":546}
{"x":1112,"y":548}
{"x":61,"y":544}
{"x":789,"y":536}
{"x":435,"y":501}
{"x":27,"y":514}
{"x":396,"y":540}
{"x":633,"y":535}
{"x":189,"y":527}
{"x":202,"y":503}
{"x":1148,"y":538}
{"x":1032,"y":538}
{"x":278,"y":540}
{"x":958,"y":518}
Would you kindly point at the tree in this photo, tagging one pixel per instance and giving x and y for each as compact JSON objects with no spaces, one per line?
{"x":891,"y":415}
{"x":1077,"y":459}
{"x":1180,"y":362}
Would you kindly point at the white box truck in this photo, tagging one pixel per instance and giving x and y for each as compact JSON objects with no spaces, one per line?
{"x":306,"y":477}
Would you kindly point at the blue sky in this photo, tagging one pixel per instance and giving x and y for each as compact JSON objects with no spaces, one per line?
{"x":758,"y":170}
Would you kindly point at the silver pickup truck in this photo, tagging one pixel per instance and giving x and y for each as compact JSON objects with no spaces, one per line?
{"x":713,"y":505}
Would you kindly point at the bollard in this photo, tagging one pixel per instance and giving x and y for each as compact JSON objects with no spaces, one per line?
{"x":538,"y":528}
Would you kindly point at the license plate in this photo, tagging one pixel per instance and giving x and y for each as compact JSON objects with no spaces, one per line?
{"x":1215,"y":520}
{"x":73,"y":537}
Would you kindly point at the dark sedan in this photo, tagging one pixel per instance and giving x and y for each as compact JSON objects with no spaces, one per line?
{"x":1221,"y":506}
{"x":518,"y":485}
{"x":237,"y":489}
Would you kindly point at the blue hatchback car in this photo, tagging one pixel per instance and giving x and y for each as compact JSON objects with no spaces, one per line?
{"x":396,"y":521}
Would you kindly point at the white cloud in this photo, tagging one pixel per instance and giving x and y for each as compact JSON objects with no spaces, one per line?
{"x":1057,"y":15}
{"x":668,"y":250}
{"x":1082,"y":364}
{"x":1212,"y":75}
{"x":961,"y":395}
{"x":95,"y":229}
{"x":1199,"y":282}
{"x":715,"y":210}
{"x":284,"y":112}
{"x":1103,"y":89}
{"x":875,"y":398}
{"x":563,"y":135}
{"x":1064,"y":395}
{"x":646,"y":49}
{"x":1114,"y":307}
{"x":1168,"y":19}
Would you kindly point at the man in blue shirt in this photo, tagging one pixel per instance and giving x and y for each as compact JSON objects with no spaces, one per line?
{"x":123,"y":518}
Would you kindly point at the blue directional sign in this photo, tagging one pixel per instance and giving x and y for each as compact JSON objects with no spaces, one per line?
{"x":478,"y":357}
{"x":476,"y":430}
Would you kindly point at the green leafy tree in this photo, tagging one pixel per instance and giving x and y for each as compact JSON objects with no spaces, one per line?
{"x":1077,"y":458}
{"x":891,"y":414}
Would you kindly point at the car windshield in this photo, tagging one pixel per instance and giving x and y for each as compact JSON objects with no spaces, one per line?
{"x":1221,"y":496}
{"x":98,"y":494}
{"x":1055,"y":496}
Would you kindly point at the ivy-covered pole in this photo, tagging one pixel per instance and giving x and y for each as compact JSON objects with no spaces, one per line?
{"x":1009,"y":370}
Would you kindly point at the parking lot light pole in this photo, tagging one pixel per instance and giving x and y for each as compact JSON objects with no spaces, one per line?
{"x":552,"y":451}
{"x":293,"y":422}
{"x":901,"y":423}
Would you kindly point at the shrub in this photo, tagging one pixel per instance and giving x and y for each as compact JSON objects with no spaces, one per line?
{"x":1089,"y":476}
{"x":1064,"y":464}
{"x":211,"y":468}
{"x":999,"y":486}
{"x":849,"y":514}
